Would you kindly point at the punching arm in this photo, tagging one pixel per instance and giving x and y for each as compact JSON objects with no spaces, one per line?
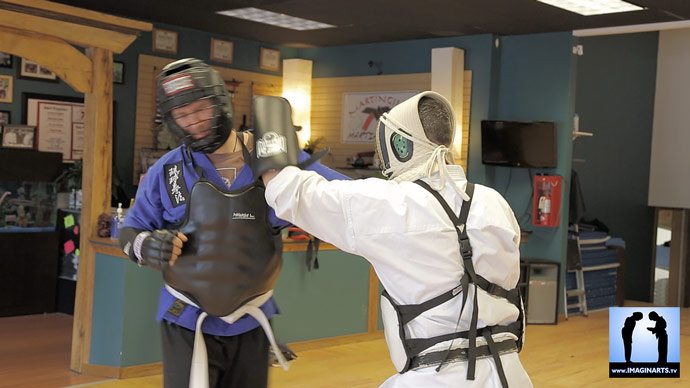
{"x":152,"y":248}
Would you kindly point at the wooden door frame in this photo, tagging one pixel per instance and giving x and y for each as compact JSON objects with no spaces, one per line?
{"x":50,"y":34}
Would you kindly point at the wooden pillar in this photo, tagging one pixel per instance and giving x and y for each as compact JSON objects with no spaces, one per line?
{"x":96,"y":186}
{"x":447,"y":79}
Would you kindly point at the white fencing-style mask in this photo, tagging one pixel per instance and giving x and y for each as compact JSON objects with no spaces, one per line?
{"x":405,"y":152}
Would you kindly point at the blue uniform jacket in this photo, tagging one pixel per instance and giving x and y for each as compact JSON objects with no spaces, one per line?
{"x":161,"y":202}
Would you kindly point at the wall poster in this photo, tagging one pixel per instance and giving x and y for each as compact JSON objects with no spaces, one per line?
{"x":361,"y":112}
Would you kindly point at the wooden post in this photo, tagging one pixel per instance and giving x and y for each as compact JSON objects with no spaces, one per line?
{"x":96,"y":186}
{"x":373,"y":313}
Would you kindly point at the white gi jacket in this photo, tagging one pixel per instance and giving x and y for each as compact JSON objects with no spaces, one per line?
{"x":402,"y":230}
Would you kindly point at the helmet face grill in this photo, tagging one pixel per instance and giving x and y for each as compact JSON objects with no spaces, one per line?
{"x":185,"y":82}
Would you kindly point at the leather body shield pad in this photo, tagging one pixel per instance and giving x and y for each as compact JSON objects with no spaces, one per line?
{"x":232,"y":255}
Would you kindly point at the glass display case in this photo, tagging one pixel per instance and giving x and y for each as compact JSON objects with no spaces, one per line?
{"x":27,"y":206}
{"x":28,"y":239}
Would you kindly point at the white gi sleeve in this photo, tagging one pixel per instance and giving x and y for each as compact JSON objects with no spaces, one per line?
{"x":318,"y":206}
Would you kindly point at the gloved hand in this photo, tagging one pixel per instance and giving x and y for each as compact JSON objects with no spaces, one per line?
{"x":275,"y":138}
{"x":159,"y":247}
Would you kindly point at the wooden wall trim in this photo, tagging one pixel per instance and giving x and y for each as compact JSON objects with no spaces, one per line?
{"x":126,"y":372}
{"x":81,"y":35}
{"x":86,"y":15}
{"x":64,"y":60}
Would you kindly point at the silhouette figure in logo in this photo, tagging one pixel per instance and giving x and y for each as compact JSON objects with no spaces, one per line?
{"x":659,"y":330}
{"x":627,"y":332}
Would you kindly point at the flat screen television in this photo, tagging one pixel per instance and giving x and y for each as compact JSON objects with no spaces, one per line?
{"x":519,"y":144}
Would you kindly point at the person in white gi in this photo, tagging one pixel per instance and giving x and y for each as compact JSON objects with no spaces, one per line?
{"x":458,"y":338}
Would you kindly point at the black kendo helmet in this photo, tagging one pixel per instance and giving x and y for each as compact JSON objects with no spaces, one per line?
{"x":188,"y":80}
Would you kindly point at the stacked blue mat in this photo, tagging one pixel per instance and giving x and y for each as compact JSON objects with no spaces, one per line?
{"x":600,"y":285}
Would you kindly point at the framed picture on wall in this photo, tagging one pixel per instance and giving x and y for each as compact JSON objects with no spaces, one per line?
{"x":18,"y":136}
{"x":32,"y":70}
{"x":118,"y":72}
{"x":59,"y":122}
{"x":5,"y":60}
{"x":164,"y":41}
{"x":269,"y":59}
{"x":221,"y":50}
{"x":6,"y":88}
{"x":5,"y":116}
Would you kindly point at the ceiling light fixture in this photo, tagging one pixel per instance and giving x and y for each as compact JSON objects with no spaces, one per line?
{"x":593,"y":7}
{"x":275,"y":19}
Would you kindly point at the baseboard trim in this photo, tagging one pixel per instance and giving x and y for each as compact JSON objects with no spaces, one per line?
{"x":126,"y":372}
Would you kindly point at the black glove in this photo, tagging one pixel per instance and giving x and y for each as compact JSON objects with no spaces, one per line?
{"x":152,"y":248}
{"x":275,"y":138}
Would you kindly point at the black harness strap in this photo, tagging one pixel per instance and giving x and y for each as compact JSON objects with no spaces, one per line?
{"x":460,"y":354}
{"x":470,"y":276}
{"x":417,"y":345}
{"x":497,"y":358}
{"x":409,"y":312}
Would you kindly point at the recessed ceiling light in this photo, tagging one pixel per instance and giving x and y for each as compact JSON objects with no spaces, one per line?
{"x":593,"y":7}
{"x":275,"y":19}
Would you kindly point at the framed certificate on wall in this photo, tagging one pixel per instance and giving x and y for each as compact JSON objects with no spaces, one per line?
{"x":269,"y":59}
{"x":59,"y":122}
{"x":221,"y":50}
{"x":164,"y":41}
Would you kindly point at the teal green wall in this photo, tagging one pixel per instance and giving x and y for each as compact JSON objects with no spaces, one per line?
{"x":108,"y":305}
{"x":328,"y":302}
{"x":124,"y":329}
{"x":616,"y":81}
{"x":141,"y":333}
{"x":536,"y":83}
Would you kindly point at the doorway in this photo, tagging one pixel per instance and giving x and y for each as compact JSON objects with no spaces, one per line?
{"x":670,"y":286}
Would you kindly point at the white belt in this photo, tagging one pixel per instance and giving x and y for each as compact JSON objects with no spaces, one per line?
{"x":198,"y":376}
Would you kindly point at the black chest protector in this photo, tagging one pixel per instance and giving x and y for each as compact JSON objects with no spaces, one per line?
{"x":232,"y":255}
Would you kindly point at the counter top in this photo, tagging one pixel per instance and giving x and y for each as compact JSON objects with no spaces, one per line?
{"x":111,"y":247}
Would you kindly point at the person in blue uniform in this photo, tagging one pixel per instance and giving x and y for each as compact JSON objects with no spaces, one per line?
{"x":200,"y":217}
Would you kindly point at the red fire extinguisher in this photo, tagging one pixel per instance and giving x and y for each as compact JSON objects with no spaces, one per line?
{"x":547,"y":198}
{"x":544,"y":209}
